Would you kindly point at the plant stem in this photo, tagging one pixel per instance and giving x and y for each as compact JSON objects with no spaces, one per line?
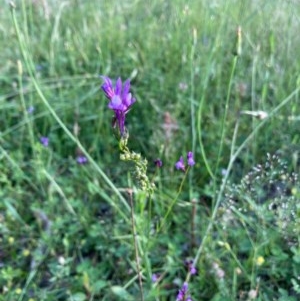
{"x":174,"y":201}
{"x":223,"y":127}
{"x":134,"y":234}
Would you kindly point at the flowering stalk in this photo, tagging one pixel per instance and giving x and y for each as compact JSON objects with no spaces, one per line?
{"x":140,"y":166}
{"x":121,"y":101}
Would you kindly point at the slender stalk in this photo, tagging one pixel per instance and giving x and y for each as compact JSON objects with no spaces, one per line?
{"x":24,"y":107}
{"x":207,"y":72}
{"x":174,"y":201}
{"x":134,"y":234}
{"x":193,"y":223}
{"x":192,"y":96}
{"x":223,"y":125}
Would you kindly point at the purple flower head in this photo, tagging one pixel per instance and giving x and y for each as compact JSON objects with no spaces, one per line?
{"x":158,"y":163}
{"x":190,"y":266}
{"x":180,"y":164}
{"x":154,"y":278}
{"x":190,"y":158}
{"x":190,"y":161}
{"x":44,"y":141}
{"x":120,"y":100}
{"x":193,"y":270}
{"x":182,"y":292}
{"x":81,"y":159}
{"x":30,"y":110}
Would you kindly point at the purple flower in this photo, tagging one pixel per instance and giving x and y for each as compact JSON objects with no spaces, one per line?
{"x":182,"y":292}
{"x":30,"y":110}
{"x":158,"y":163}
{"x":193,"y":270}
{"x":44,"y":141}
{"x":190,"y":159}
{"x":120,"y":100}
{"x":190,"y":266}
{"x":154,"y":278}
{"x":81,"y":159}
{"x":180,"y":164}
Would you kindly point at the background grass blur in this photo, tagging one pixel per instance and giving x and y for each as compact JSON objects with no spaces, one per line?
{"x":65,"y":233}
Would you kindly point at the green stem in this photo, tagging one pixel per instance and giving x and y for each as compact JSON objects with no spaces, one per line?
{"x":174,"y":201}
{"x":223,"y":126}
{"x":136,"y":249}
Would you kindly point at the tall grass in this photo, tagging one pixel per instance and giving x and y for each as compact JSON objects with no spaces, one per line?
{"x":218,"y":78}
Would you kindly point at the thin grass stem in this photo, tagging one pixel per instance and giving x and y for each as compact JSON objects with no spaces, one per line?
{"x":134,"y":234}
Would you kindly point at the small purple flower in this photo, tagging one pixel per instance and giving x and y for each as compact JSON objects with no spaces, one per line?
{"x":120,"y":100}
{"x":81,"y":159}
{"x":180,"y":164}
{"x":190,"y":159}
{"x":154,"y":278}
{"x":30,"y":110}
{"x":190,"y":266}
{"x":44,"y":141}
{"x":193,"y":270}
{"x":182,"y":292}
{"x":158,"y":163}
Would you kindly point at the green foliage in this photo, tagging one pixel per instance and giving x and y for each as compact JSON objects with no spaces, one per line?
{"x":65,"y":228}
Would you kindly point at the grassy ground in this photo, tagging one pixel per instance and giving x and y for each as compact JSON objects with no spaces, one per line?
{"x":218,"y":78}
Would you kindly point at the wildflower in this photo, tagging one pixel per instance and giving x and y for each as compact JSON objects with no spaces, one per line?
{"x":120,"y":100}
{"x":182,"y":292}
{"x":154,"y":278}
{"x":158,"y":163}
{"x":26,"y":252}
{"x":61,"y":260}
{"x":44,"y":141}
{"x":180,"y":164}
{"x":217,"y":270}
{"x":189,"y":264}
{"x":260,"y":260}
{"x":190,"y":159}
{"x":81,"y":159}
{"x":224,"y":172}
{"x":252,"y":294}
{"x":193,"y":270}
{"x":30,"y":109}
